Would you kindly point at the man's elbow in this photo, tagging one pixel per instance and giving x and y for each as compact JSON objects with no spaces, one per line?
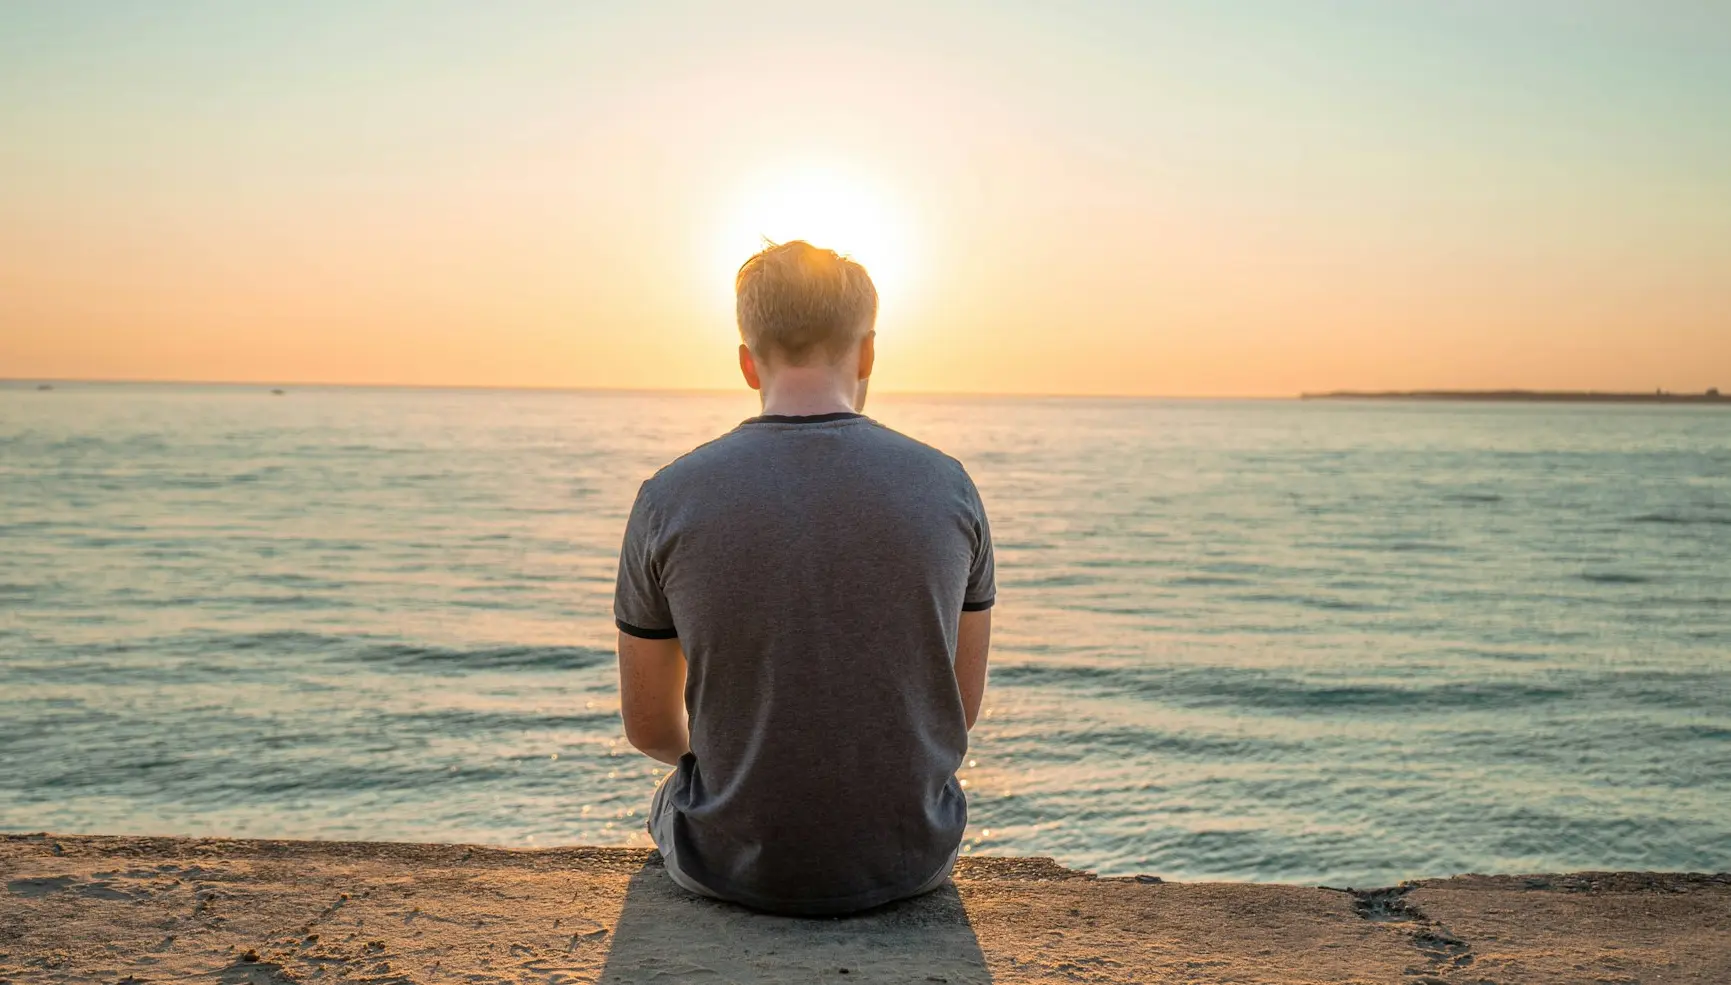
{"x":641,"y":736}
{"x":660,"y":742}
{"x":642,"y":741}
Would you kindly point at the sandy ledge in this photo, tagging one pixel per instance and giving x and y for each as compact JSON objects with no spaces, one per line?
{"x":96,"y":909}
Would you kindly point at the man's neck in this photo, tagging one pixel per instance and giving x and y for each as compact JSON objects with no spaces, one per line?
{"x":798,"y":394}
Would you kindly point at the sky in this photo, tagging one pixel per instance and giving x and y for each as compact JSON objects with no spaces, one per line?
{"x":1186,"y":199}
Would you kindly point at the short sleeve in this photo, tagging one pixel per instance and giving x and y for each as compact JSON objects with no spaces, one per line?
{"x":982,"y":572}
{"x":639,"y":605}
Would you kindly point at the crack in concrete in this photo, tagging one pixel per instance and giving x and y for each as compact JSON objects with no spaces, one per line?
{"x":1388,"y":905}
{"x":1444,"y":953}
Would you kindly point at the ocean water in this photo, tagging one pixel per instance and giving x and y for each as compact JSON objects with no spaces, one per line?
{"x":1345,"y":643}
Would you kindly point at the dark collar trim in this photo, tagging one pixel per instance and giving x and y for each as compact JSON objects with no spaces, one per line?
{"x":840,"y":415}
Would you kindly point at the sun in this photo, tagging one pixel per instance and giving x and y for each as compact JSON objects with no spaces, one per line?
{"x":826,"y":207}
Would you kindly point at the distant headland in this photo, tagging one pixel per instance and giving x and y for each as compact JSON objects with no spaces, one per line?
{"x":1711,"y":396}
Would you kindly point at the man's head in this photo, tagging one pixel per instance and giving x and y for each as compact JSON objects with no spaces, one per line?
{"x":804,"y":312}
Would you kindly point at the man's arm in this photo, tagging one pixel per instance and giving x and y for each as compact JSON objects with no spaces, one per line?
{"x":973,"y":639}
{"x":652,"y":697}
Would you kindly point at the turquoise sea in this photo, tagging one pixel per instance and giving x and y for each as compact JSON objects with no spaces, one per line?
{"x":1345,"y":643}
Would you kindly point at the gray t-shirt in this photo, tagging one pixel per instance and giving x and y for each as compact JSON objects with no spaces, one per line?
{"x":814,"y":570}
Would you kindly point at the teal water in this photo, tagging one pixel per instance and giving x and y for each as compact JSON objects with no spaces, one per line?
{"x":1314,"y":642}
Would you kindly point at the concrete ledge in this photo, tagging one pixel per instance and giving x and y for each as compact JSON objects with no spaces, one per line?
{"x":97,"y":909}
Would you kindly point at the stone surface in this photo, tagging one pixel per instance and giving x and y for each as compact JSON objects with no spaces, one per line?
{"x":95,"y":909}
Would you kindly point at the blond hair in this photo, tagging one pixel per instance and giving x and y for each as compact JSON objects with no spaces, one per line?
{"x":795,"y":300}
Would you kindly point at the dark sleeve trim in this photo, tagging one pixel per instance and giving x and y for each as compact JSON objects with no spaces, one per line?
{"x":646,"y":634}
{"x":979,"y":606}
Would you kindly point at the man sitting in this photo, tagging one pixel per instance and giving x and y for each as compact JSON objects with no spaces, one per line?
{"x":804,"y":613}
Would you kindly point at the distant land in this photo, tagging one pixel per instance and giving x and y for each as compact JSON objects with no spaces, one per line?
{"x":1711,"y":396}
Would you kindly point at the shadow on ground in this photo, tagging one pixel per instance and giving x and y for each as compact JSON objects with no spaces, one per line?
{"x":666,"y":935}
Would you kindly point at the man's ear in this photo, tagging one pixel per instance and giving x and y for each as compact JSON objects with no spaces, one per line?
{"x":867,"y":354}
{"x":748,"y":367}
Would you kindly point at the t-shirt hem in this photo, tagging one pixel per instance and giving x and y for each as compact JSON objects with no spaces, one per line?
{"x":834,"y":906}
{"x":980,"y":606}
{"x":645,"y":634}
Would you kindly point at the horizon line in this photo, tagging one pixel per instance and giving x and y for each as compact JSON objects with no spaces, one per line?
{"x":534,"y":388}
{"x":1301,"y":396}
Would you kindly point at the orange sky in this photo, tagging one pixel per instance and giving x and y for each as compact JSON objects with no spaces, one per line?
{"x":1181,"y":199}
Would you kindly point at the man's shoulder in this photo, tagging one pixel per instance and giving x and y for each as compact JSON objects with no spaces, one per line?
{"x":695,"y":465}
{"x":724,"y":454}
{"x":918,"y":452}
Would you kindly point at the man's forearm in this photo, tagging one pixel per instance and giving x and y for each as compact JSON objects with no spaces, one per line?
{"x":652,"y":697}
{"x":973,"y":640}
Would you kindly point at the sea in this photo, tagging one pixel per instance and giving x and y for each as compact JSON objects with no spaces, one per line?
{"x":1340,"y":643}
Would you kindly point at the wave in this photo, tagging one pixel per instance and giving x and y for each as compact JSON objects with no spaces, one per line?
{"x":195,"y":776}
{"x":1056,"y":580}
{"x":446,"y":720}
{"x":1614,"y":578}
{"x":1682,"y":519}
{"x":1046,"y":744}
{"x":482,"y":658}
{"x":205,"y":652}
{"x":1270,"y":691}
{"x":1207,"y":580}
{"x":1312,"y":602}
{"x":346,"y":649}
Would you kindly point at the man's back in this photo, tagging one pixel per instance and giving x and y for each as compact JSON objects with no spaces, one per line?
{"x":814,"y":570}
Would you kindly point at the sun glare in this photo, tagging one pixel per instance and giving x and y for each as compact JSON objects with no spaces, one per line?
{"x":825,"y":208}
